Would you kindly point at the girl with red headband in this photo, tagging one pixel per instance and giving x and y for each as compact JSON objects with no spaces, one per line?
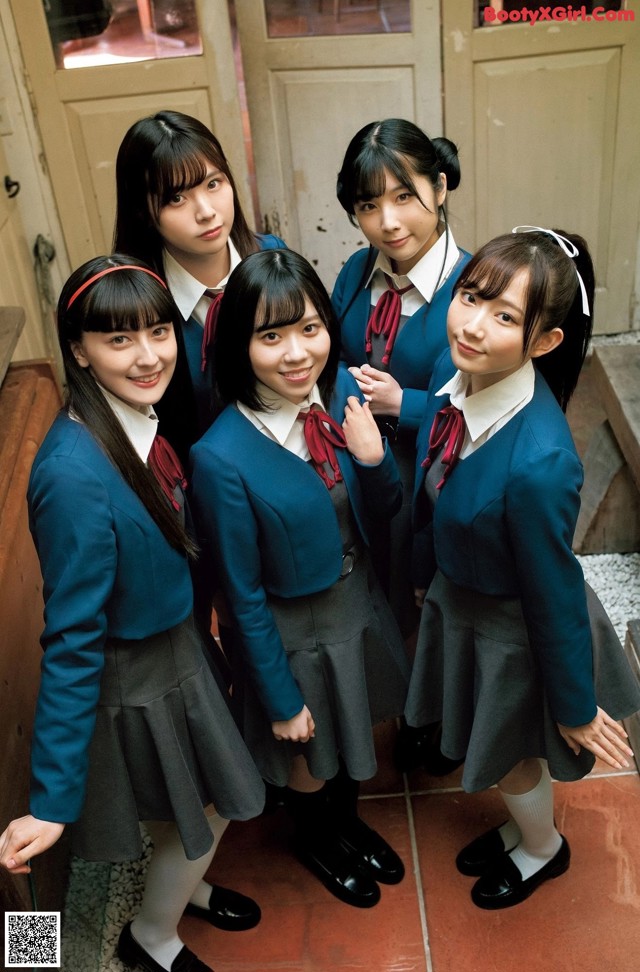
{"x":285,"y":486}
{"x":130,"y":723}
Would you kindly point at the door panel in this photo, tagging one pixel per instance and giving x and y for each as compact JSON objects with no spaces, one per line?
{"x":83,"y":114}
{"x":308,"y":96}
{"x":17,"y":278}
{"x":547,"y":126}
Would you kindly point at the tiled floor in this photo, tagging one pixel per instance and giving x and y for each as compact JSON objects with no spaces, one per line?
{"x":588,"y":920}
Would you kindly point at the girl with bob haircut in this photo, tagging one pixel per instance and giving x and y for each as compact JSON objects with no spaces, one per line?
{"x":130,"y":724}
{"x":285,"y":486}
{"x":392,"y":301}
{"x":533,"y":676}
{"x":178,"y":210}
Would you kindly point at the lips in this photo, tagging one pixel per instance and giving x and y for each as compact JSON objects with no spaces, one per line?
{"x":465,"y":349}
{"x":145,"y":381}
{"x":397,"y":243}
{"x":211,"y":234}
{"x":296,"y":375}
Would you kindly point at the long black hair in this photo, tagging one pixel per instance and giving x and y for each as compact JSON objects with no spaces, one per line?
{"x":119,"y":301}
{"x":552,"y":299}
{"x":160,"y":156}
{"x":270,"y":286}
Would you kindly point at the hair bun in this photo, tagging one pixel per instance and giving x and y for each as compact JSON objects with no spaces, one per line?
{"x":447,"y":152}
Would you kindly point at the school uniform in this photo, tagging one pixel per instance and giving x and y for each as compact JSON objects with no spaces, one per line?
{"x":421,"y":338}
{"x":290,"y":555}
{"x":511,"y":641}
{"x":189,"y":295}
{"x":129,"y":722}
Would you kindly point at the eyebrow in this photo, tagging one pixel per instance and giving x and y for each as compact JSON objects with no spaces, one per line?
{"x":272,"y":326}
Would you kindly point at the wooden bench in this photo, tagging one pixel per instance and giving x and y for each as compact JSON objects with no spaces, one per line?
{"x":609,"y":520}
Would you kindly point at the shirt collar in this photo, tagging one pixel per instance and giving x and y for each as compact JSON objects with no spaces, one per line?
{"x":185,"y":289}
{"x":428,"y":272}
{"x":140,"y":425}
{"x":282,"y":414}
{"x":482,"y":410}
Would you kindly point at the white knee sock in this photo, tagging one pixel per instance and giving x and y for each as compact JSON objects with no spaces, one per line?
{"x":202,"y":892}
{"x":169,"y":884}
{"x":533,"y":814}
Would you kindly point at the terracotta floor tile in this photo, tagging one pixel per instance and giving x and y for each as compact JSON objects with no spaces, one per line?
{"x":586,"y":920}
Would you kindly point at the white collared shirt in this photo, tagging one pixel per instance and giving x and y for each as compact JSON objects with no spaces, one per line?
{"x":428,"y":275}
{"x":140,"y":425}
{"x":188,"y":292}
{"x":487,"y":411}
{"x":280,"y":423}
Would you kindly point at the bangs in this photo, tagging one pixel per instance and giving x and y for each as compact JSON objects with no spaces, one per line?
{"x":132,"y":302}
{"x":180,"y":164}
{"x":370,"y":176}
{"x":489,"y":276}
{"x":280,"y":306}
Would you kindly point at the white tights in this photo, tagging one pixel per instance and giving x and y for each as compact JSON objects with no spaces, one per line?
{"x":171,"y":882}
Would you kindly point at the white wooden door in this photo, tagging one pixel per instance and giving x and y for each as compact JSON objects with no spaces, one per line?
{"x":18,"y":286}
{"x":83,"y":114}
{"x":547,"y":120}
{"x":308,"y":96}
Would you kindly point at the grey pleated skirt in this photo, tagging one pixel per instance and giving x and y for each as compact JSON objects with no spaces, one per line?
{"x":348,"y":657}
{"x":475,"y":670}
{"x":165,"y":746}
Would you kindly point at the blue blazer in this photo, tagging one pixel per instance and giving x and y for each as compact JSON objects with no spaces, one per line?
{"x":503,"y":525}
{"x":108,"y":571}
{"x":418,"y":344}
{"x":267,"y":525}
{"x":203,"y":381}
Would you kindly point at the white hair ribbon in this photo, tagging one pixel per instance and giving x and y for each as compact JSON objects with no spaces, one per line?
{"x":567,"y":247}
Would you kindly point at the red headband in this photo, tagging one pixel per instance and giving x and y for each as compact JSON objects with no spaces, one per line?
{"x":121,"y":266}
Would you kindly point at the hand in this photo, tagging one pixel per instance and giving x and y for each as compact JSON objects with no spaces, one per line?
{"x":380,"y":389}
{"x":299,"y":729}
{"x":603,"y":737}
{"x":419,"y":594}
{"x":361,"y":432}
{"x":24,"y":838}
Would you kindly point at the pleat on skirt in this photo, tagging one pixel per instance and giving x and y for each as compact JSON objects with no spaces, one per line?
{"x":165,"y":746}
{"x":476,"y":671}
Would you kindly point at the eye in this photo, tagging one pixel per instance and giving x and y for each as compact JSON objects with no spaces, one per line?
{"x":215,"y":182}
{"x":404,"y":196}
{"x":467,"y":297}
{"x":162,"y":330}
{"x":312,"y":328}
{"x":270,"y":337}
{"x":505,"y":318}
{"x":365,"y":207}
{"x":176,"y":199}
{"x":119,"y":340}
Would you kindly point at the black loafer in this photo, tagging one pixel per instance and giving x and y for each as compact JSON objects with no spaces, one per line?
{"x":419,"y":748}
{"x":503,"y":885}
{"x":481,"y":853}
{"x":228,"y":910}
{"x":340,"y":872}
{"x":134,"y":955}
{"x":374,"y":855}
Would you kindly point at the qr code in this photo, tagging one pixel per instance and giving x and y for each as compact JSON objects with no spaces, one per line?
{"x":32,"y":939}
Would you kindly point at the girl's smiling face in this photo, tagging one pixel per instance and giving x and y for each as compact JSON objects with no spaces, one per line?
{"x":486,"y":335}
{"x":289,"y":359}
{"x":398,"y":223}
{"x":135,"y":366}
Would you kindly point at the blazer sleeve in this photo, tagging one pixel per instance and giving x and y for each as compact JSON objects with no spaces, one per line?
{"x":381,"y":485}
{"x":71,"y":523}
{"x":225,"y":519}
{"x":542,"y":506}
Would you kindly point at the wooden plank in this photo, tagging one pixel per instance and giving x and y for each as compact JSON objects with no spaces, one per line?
{"x":617,"y":372}
{"x":632,"y":649}
{"x":609,"y":520}
{"x":11,"y":324}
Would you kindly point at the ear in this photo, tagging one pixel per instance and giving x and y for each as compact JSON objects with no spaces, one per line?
{"x":78,"y":353}
{"x":547,"y":341}
{"x":441,"y":188}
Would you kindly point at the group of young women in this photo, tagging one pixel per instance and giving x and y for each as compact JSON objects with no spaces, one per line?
{"x":302,"y":423}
